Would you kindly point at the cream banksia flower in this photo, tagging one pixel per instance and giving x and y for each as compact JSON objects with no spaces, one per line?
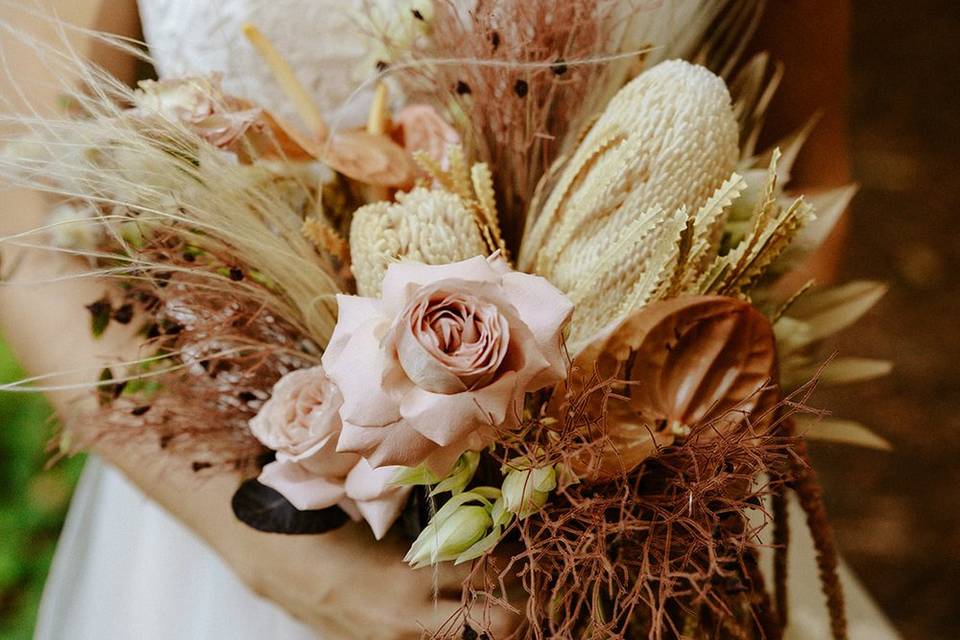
{"x":664,"y":145}
{"x":431,"y":227}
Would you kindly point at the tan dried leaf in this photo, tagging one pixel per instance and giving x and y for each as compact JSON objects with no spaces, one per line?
{"x":828,"y":311}
{"x":842,"y":431}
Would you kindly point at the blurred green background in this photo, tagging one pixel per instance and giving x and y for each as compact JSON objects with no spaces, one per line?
{"x":33,"y":502}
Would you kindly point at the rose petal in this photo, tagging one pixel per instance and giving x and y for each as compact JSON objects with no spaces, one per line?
{"x":395,"y":444}
{"x":445,"y":419}
{"x":303,"y":489}
{"x":544,"y":309}
{"x":357,"y":372}
{"x":422,"y":367}
{"x":403,"y":278}
{"x":352,"y":312}
{"x":379,"y":502}
{"x":326,"y":461}
{"x":367,"y":483}
{"x":311,"y":451}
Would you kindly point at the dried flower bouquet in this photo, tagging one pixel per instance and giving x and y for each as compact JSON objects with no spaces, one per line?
{"x":529,"y":314}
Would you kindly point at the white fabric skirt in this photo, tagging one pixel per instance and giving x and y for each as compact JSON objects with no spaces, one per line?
{"x":125,"y":569}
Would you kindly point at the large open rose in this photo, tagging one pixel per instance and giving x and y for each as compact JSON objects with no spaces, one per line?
{"x":444,"y":357}
{"x":301,"y":423}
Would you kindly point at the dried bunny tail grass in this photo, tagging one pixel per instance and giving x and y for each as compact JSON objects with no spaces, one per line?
{"x":140,"y":164}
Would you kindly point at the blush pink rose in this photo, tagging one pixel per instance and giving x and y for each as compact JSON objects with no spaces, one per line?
{"x":418,"y":127}
{"x":442,"y":359}
{"x":301,"y":423}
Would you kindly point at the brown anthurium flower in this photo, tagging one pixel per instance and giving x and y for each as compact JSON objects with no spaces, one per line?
{"x":690,"y":367}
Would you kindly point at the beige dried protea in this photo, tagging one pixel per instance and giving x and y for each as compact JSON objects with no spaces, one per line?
{"x":665,"y":143}
{"x":433,"y":227}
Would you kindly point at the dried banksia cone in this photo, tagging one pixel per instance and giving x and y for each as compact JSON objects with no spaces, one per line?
{"x":433,"y":227}
{"x":665,"y":143}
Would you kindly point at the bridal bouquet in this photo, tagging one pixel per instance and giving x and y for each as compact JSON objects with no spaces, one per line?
{"x":532,"y":313}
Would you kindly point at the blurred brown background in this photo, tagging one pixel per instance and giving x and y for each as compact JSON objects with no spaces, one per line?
{"x":897,"y":515}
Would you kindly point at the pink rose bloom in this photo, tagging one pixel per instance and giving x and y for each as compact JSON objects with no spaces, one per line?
{"x":301,"y":423}
{"x":418,"y":127}
{"x":442,"y":359}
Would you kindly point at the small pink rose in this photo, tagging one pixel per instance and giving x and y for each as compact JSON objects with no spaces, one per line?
{"x":418,"y":127}
{"x":301,"y":423}
{"x":444,"y":357}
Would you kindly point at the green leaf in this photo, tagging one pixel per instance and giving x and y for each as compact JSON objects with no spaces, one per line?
{"x":100,"y":312}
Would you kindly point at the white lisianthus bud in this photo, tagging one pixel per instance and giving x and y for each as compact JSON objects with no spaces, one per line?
{"x":447,"y":538}
{"x":525,"y":491}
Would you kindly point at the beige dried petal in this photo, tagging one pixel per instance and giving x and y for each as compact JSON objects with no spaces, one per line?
{"x":432,"y":227}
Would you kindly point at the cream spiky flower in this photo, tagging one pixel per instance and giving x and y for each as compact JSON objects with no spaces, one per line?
{"x":665,"y":143}
{"x":432,"y":227}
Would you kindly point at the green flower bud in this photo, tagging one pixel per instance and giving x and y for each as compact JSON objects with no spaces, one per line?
{"x":450,"y":535}
{"x":525,"y":491}
{"x":455,"y":482}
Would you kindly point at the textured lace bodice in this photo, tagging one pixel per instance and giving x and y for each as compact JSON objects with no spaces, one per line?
{"x":320,"y":38}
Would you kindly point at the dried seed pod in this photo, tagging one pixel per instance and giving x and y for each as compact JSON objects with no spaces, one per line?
{"x":433,"y":227}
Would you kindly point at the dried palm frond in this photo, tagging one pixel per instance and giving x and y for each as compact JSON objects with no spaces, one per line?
{"x":806,"y":322}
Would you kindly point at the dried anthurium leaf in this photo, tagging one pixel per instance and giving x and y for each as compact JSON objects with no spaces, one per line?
{"x":690,"y":367}
{"x":369,"y":158}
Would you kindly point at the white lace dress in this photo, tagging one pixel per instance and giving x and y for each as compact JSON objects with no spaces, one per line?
{"x":126,"y":569}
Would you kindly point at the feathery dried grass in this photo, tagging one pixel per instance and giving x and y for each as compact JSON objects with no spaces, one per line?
{"x":160,"y":173}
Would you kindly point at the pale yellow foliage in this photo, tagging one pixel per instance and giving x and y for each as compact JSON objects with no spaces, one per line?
{"x":433,"y":227}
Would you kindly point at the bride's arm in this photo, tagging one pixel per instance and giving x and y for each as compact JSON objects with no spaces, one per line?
{"x":342,"y":583}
